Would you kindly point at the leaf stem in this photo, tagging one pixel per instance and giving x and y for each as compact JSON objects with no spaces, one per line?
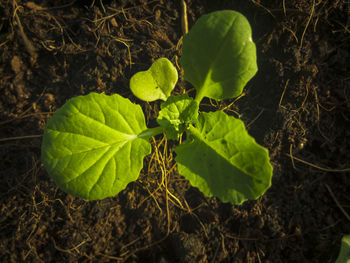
{"x":194,"y":131}
{"x":151,"y":132}
{"x":199,"y":97}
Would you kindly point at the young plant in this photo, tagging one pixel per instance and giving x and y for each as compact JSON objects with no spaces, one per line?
{"x":94,"y":145}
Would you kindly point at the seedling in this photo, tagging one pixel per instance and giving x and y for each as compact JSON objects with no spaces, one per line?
{"x":94,"y":145}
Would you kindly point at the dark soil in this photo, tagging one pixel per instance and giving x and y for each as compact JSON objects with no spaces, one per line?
{"x":298,"y":106}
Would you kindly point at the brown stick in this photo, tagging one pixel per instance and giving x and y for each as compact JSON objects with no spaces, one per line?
{"x":337,"y":203}
{"x":29,"y":46}
{"x":184,"y":24}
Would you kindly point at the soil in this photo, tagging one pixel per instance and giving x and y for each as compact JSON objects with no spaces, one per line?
{"x":298,"y":106}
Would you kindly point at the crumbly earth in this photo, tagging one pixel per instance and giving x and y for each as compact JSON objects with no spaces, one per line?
{"x":297,"y":106}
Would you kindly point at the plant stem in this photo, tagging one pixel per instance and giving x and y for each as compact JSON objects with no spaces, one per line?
{"x":151,"y":132}
{"x":198,"y":97}
{"x":194,"y":131}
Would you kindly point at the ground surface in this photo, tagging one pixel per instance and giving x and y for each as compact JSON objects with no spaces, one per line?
{"x":297,"y":106}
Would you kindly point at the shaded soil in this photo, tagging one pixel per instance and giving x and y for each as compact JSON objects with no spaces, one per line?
{"x":297,"y":106}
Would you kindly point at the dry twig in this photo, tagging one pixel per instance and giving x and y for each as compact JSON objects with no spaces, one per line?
{"x":29,"y":46}
{"x":318,"y":167}
{"x":337,"y":203}
{"x":184,"y":22}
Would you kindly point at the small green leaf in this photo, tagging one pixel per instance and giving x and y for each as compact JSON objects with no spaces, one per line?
{"x":221,"y":159}
{"x":155,"y":83}
{"x":344,"y":254}
{"x":94,"y":145}
{"x":176,"y":114}
{"x":218,"y":55}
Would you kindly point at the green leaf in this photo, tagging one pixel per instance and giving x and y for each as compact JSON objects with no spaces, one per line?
{"x":221,"y":159}
{"x":218,"y":55}
{"x":94,"y":145}
{"x":155,"y":83}
{"x":176,"y":114}
{"x":344,"y":254}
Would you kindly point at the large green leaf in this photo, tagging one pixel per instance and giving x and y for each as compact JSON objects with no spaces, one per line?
{"x":176,"y":114}
{"x":344,"y":254}
{"x":94,"y":145}
{"x":218,"y":55}
{"x":221,"y":159}
{"x":155,"y":83}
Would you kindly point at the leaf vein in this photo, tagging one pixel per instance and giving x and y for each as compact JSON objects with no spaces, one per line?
{"x":103,"y":124}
